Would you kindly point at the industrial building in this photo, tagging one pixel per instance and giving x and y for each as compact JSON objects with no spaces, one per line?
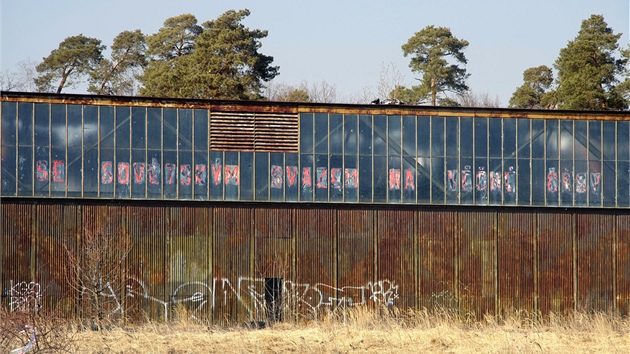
{"x":246,"y":210}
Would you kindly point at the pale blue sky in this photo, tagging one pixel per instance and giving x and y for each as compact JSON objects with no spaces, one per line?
{"x":345,"y":43}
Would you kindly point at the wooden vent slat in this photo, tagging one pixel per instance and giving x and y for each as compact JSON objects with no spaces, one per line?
{"x":258,"y":132}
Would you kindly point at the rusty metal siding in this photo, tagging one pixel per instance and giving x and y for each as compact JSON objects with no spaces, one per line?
{"x":595,"y":276}
{"x":477,"y":262}
{"x":232,"y":254}
{"x":260,"y":132}
{"x":622,"y":265}
{"x":16,"y":247}
{"x":555,"y":262}
{"x":355,"y":253}
{"x":516,"y":262}
{"x":189,"y":261}
{"x":395,"y":253}
{"x":436,"y":259}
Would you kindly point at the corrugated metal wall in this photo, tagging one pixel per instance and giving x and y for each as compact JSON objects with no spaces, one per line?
{"x":228,"y":262}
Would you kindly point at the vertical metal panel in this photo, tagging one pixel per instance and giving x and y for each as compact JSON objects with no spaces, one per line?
{"x":595,"y":276}
{"x":436,"y":263}
{"x":146,"y":227}
{"x":232,"y":261}
{"x":555,"y":262}
{"x":515,"y":261}
{"x":316,"y":262}
{"x":57,"y":226}
{"x":16,"y":247}
{"x":395,"y":254}
{"x":623,"y":264}
{"x":189,"y":261}
{"x":355,"y":253}
{"x":476,"y":262}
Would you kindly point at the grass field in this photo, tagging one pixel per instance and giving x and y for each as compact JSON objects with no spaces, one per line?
{"x":361,"y":331}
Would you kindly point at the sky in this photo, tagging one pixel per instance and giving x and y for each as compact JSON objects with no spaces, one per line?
{"x":346,"y":44}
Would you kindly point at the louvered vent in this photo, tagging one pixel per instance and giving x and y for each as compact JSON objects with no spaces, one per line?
{"x":260,"y":132}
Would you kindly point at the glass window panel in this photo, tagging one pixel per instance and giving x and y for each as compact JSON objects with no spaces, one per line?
{"x":107,"y":127}
{"x":482,"y":180}
{"x":42,"y":124}
{"x":322,"y":178}
{"x":138,"y":173}
{"x":75,"y":125}
{"x":524,"y":184}
{"x":90,"y":127}
{"x":438,"y":177}
{"x":452,"y":186}
{"x":321,"y":133}
{"x":247,"y":176}
{"x":409,"y":178}
{"x":424,"y":136}
{"x":409,"y":135}
{"x":58,"y":122}
{"x":306,"y":133}
{"x":58,"y":172}
{"x":201,"y":129}
{"x":552,"y":130}
{"x":262,"y":176}
{"x":306,"y":177}
{"x":481,"y":137}
{"x":8,"y":170}
{"x":185,"y":129}
{"x":90,"y":173}
{"x":123,"y":124}
{"x":170,"y":129}
{"x":510,"y":183}
{"x":365,"y":179}
{"x":25,"y":171}
{"x":566,"y":180}
{"x":154,"y":174}
{"x":566,"y":139}
{"x":231,"y":175}
{"x":380,"y":135}
{"x":394,"y":135}
{"x":351,"y":179}
{"x":466,"y":137}
{"x":276,"y":177}
{"x":336,"y":134}
{"x":170,"y":175}
{"x":380,"y":179}
{"x":424,"y":180}
{"x":185,"y":175}
{"x":154,"y":128}
{"x":594,"y":139}
{"x":42,"y":171}
{"x":215,"y":175}
{"x":580,"y":183}
{"x":622,"y":141}
{"x":539,"y":182}
{"x":553,"y":182}
{"x":595,"y":183}
{"x":495,"y":181}
{"x":609,"y":140}
{"x":395,"y":180}
{"x":138,"y":127}
{"x":336,"y":178}
{"x":580,"y":139}
{"x":509,"y":138}
{"x":365,"y":135}
{"x":538,"y":138}
{"x":351,"y":135}
{"x":437,"y":136}
{"x":452,"y":132}
{"x":623,"y":184}
{"x":75,"y":172}
{"x":201,"y":175}
{"x":291,"y":178}
{"x":25,"y":124}
{"x":524,"y":138}
{"x":123,"y":173}
{"x":9,"y":118}
{"x":609,"y":184}
{"x":107,"y":173}
{"x":466,"y":181}
{"x":495,"y":137}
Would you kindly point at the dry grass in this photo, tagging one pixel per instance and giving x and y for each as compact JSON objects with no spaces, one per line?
{"x":362,"y":330}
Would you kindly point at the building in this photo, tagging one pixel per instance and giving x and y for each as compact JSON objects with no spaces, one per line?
{"x":244,"y":210}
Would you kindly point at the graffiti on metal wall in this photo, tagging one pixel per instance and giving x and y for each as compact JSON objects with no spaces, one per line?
{"x":24,"y":296}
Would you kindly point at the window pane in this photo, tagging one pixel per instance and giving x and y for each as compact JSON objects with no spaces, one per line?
{"x":351,"y":135}
{"x":437,"y":136}
{"x":154,"y":128}
{"x":201,"y":175}
{"x":609,"y":140}
{"x":75,"y":126}
{"x":365,"y":179}
{"x":580,"y":139}
{"x":247,"y":176}
{"x":594,"y":140}
{"x":138,"y":129}
{"x":58,"y":172}
{"x":231,"y":175}
{"x":524,"y":183}
{"x":138,"y":173}
{"x":452,"y":132}
{"x":201,"y":129}
{"x":107,"y":172}
{"x":409,"y":136}
{"x":524,"y":138}
{"x":437,"y":185}
{"x":496,"y":142}
{"x":123,"y":173}
{"x":154,"y":174}
{"x":321,"y":178}
{"x":395,"y":180}
{"x":75,"y":172}
{"x":336,"y":134}
{"x":622,"y":141}
{"x":42,"y":124}
{"x":566,"y":139}
{"x":321,"y":133}
{"x":90,"y":127}
{"x":107,"y":127}
{"x":365,"y":135}
{"x":170,"y":175}
{"x":336,"y":178}
{"x":351,"y":179}
{"x":91,"y":173}
{"x":424,"y":136}
{"x":306,"y":177}
{"x":538,"y":138}
{"x":58,"y":120}
{"x":123,"y":124}
{"x":380,"y":135}
{"x":380,"y":179}
{"x":8,"y":170}
{"x":306,"y":133}
{"x":262,"y":176}
{"x":185,"y":173}
{"x":481,"y":137}
{"x":170,"y":129}
{"x":9,"y":118}
{"x":394,"y":135}
{"x":553,"y":182}
{"x":25,"y":171}
{"x":466,"y":136}
{"x":291,"y":178}
{"x":276,"y":177}
{"x":185,"y":129}
{"x":509,"y":138}
{"x":424,"y":180}
{"x":25,"y":124}
{"x":551,"y":127}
